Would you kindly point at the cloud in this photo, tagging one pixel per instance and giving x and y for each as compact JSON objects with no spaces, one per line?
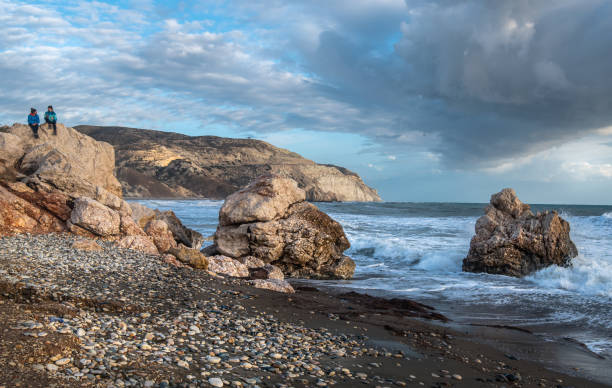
{"x":474,"y":84}
{"x":586,"y":170}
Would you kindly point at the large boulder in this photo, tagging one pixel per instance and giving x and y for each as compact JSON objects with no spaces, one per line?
{"x":143,"y":216}
{"x":511,"y":240}
{"x":266,"y":199}
{"x":69,"y":153}
{"x":93,"y":216}
{"x":191,"y":257}
{"x":162,"y":236}
{"x":138,"y":243}
{"x":227,"y":266}
{"x":182,"y":234}
{"x":270,"y":220}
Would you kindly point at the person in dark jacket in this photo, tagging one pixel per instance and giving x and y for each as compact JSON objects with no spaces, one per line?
{"x":33,"y":121}
{"x":51,"y":119}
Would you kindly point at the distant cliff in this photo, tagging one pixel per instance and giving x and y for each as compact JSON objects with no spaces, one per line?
{"x":170,"y":165}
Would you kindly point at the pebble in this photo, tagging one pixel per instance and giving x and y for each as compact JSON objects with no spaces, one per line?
{"x":52,"y":367}
{"x":215,"y":382}
{"x":213,"y":360}
{"x":457,"y":377}
{"x":62,"y":361}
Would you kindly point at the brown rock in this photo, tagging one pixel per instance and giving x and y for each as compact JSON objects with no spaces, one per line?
{"x":172,"y":260}
{"x":268,"y":271}
{"x":138,"y":243}
{"x":95,"y":217}
{"x":56,"y":202}
{"x":251,"y":261}
{"x":233,"y":241}
{"x":301,"y":240}
{"x":70,"y":153}
{"x":77,"y":230}
{"x":141,"y":214}
{"x":511,"y":240}
{"x":265,"y":199}
{"x":191,"y":257}
{"x":181,"y":233}
{"x":227,"y":266}
{"x":273,"y":285}
{"x":86,"y":245}
{"x":20,"y":216}
{"x":210,"y":250}
{"x":130,"y":228}
{"x":160,"y":233}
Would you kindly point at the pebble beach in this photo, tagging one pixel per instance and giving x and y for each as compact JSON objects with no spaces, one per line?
{"x":118,"y":317}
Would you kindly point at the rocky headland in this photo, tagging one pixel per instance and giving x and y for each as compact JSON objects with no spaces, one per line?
{"x":511,"y":240}
{"x":171,"y":165}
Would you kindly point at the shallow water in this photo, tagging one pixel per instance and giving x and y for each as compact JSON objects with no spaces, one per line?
{"x":415,"y":250}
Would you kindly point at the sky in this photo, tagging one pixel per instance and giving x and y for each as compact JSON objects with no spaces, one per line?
{"x":437,"y":100}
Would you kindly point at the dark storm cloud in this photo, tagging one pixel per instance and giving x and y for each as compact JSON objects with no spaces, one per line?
{"x":475,"y":82}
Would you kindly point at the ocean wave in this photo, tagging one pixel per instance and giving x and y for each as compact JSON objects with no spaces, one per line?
{"x":398,"y":254}
{"x":586,"y":276}
{"x":607,"y":215}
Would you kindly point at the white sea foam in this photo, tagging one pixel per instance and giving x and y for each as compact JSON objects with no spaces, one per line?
{"x":587,"y":276}
{"x":607,"y":215}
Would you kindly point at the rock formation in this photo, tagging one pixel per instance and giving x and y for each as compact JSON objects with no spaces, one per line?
{"x":511,"y":240}
{"x":162,"y":164}
{"x":66,"y":183}
{"x":270,"y":220}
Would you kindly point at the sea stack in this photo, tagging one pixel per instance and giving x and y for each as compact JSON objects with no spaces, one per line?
{"x":270,"y":220}
{"x":510,"y":240}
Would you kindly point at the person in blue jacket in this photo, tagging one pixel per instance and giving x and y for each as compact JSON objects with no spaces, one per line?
{"x":33,"y":121}
{"x":51,"y":119}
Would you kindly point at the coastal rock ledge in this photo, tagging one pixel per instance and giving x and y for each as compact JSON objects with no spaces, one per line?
{"x":271,"y":221}
{"x":510,"y":240}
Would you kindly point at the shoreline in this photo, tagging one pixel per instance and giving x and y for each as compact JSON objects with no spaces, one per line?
{"x":176,"y":318}
{"x":552,"y":350}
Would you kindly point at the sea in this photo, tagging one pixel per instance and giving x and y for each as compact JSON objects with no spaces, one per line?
{"x":415,"y":250}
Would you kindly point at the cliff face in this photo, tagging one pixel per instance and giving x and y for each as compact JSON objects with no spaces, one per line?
{"x":162,"y":164}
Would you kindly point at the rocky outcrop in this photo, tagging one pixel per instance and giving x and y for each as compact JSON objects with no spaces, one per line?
{"x":153,"y":221}
{"x":163,"y":164}
{"x":270,"y":220}
{"x":511,"y":240}
{"x":67,"y":183}
{"x":59,"y":158}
